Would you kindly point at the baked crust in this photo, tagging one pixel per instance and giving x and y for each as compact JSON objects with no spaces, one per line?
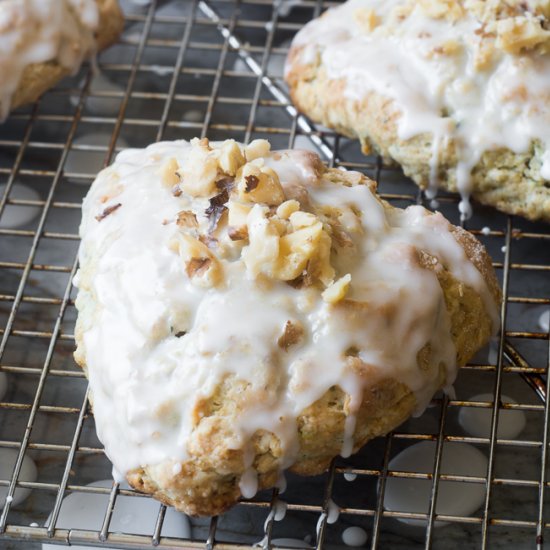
{"x":37,"y":78}
{"x":208,"y":481}
{"x":509,"y":181}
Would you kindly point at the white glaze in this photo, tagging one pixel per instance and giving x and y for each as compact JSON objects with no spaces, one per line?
{"x":19,"y":215}
{"x":132,"y":515}
{"x":38,"y":31}
{"x":477,"y":421}
{"x":354,"y":536}
{"x":350,"y":476}
{"x":544,"y":320}
{"x":454,"y":497}
{"x":501,"y":104}
{"x":137,"y":367}
{"x":28,"y":473}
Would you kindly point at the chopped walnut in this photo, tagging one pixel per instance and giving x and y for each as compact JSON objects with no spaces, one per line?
{"x":258,"y":148}
{"x":231,"y":157}
{"x":260,"y":185}
{"x":516,"y":34}
{"x":287,"y":208}
{"x":216,"y":208}
{"x":238,"y":213}
{"x":169,"y":172}
{"x":200,"y":170}
{"x":439,"y":9}
{"x":293,"y":334}
{"x":279,"y":255}
{"x":201,"y":266}
{"x":187,"y":218}
{"x":337,"y":290}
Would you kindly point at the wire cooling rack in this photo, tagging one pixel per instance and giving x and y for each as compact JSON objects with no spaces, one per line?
{"x":196,"y":68}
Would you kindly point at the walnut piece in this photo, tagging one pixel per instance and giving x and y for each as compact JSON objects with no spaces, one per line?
{"x":231,"y":157}
{"x":201,"y":266}
{"x":186,"y":218}
{"x":169,"y":172}
{"x":259,"y":185}
{"x":258,"y":148}
{"x":293,"y":334}
{"x":337,"y":290}
{"x":200,"y":170}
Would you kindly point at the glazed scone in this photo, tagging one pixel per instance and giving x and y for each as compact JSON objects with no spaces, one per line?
{"x":243,"y":311}
{"x":456,"y":92}
{"x":42,"y":41}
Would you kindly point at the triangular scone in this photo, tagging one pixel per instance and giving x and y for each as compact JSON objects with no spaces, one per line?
{"x":42,"y":41}
{"x":243,"y":312}
{"x":456,"y":92}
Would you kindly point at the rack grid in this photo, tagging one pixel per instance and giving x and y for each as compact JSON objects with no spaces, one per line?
{"x":213,"y":68}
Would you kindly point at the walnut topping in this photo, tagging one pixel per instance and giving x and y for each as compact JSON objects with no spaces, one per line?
{"x":260,"y":185}
{"x":293,"y":334}
{"x":201,"y":266}
{"x":337,"y":290}
{"x":200,"y":170}
{"x":187,"y":218}
{"x":169,"y":172}
{"x":439,"y":9}
{"x":520,"y":33}
{"x":217,"y":208}
{"x":107,"y":211}
{"x":197,"y":266}
{"x":283,"y":250}
{"x":287,"y":208}
{"x":257,"y":149}
{"x":251,"y":182}
{"x":231,"y":157}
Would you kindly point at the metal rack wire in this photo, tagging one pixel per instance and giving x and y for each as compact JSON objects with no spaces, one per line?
{"x":188,"y":68}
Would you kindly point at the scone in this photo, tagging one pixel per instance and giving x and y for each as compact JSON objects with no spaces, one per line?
{"x":243,"y":312}
{"x":456,"y":92}
{"x":42,"y":41}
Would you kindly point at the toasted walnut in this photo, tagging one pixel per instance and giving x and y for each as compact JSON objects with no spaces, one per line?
{"x":169,"y":172}
{"x":520,"y":33}
{"x":257,"y":149}
{"x":293,"y":334}
{"x":187,"y":218}
{"x":319,"y":267}
{"x":262,"y":252}
{"x":200,"y":170}
{"x":287,"y":208}
{"x":260,"y":185}
{"x":366,"y":18}
{"x":236,"y":221}
{"x":285,"y":251}
{"x":439,"y":9}
{"x":337,"y":290}
{"x":231,"y":157}
{"x":201,"y":266}
{"x":301,"y":219}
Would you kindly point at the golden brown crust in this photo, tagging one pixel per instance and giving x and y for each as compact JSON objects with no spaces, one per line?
{"x":506,"y":180}
{"x":37,"y":78}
